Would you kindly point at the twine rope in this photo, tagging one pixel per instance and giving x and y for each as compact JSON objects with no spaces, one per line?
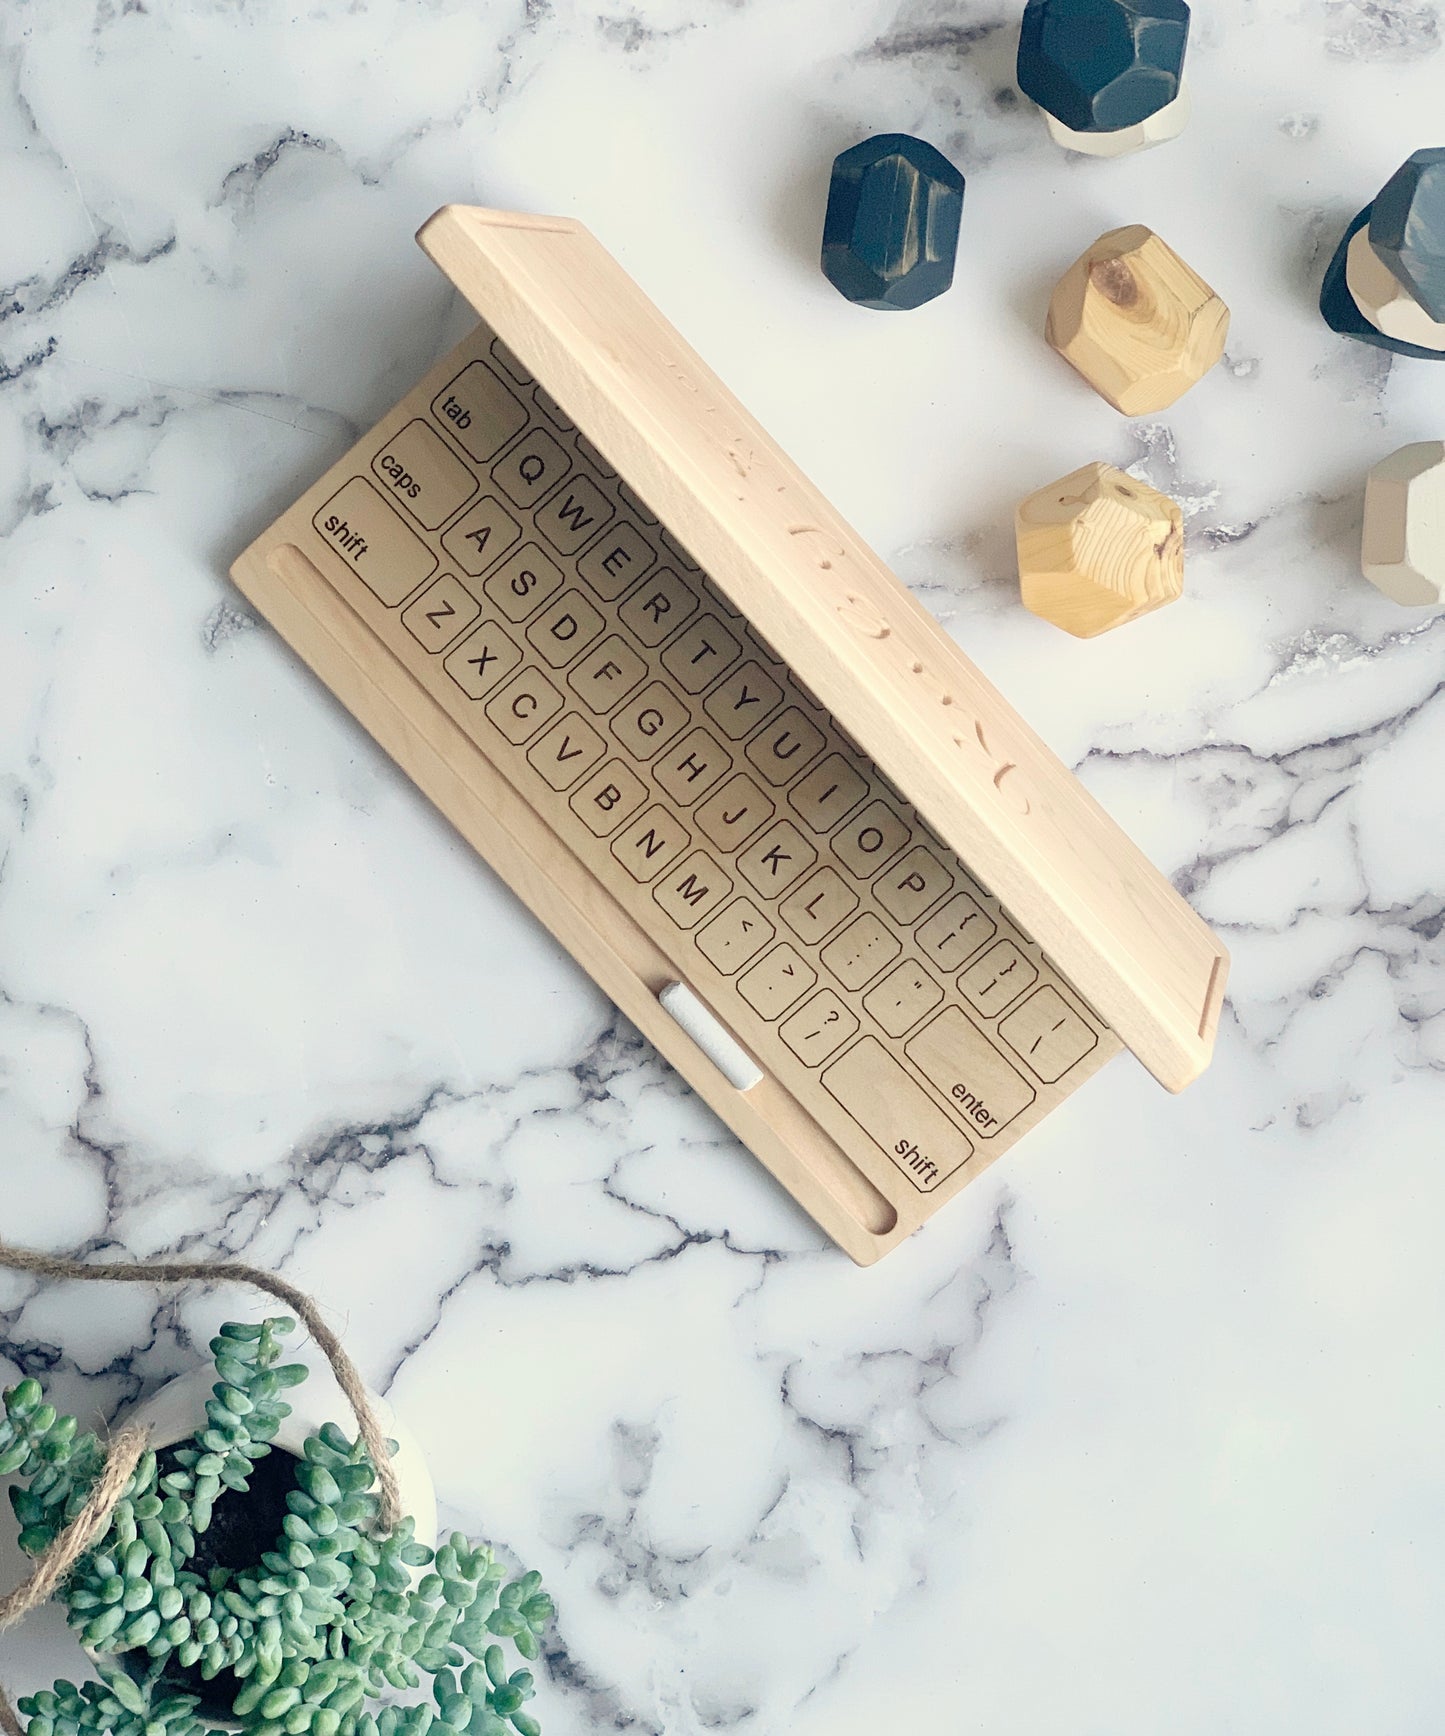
{"x":126,"y":1447}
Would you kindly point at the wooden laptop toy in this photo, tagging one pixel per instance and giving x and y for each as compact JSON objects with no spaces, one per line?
{"x":646,"y":670}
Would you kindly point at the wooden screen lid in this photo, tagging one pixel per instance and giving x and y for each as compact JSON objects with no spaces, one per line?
{"x":852,"y":633}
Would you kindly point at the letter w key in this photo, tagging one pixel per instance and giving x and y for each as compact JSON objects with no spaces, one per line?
{"x":573,"y":515}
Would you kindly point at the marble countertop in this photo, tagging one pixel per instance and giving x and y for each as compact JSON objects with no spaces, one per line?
{"x":1144,"y":1432}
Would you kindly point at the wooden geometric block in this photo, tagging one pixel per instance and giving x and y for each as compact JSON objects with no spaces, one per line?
{"x":1098,"y":548}
{"x":1099,"y":65}
{"x":1384,"y":300}
{"x":1403,"y":549}
{"x":1407,"y":228}
{"x":891,"y":229}
{"x":1136,"y":322}
{"x":1165,"y":124}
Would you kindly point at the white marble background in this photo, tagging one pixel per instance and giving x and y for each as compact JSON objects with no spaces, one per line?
{"x":1145,"y":1432}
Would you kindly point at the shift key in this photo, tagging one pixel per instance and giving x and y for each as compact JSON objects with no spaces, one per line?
{"x":896,"y":1115}
{"x":369,"y":536}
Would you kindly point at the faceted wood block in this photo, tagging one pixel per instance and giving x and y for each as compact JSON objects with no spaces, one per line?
{"x":1099,"y":65}
{"x":1384,"y":300}
{"x":1098,"y":548}
{"x":891,"y":230}
{"x":1167,"y":123}
{"x":1407,"y":228}
{"x":1338,"y":306}
{"x":1136,"y":322}
{"x":1403,"y":550}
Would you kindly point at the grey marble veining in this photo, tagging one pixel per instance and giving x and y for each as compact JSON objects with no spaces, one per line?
{"x":1143,"y":1433}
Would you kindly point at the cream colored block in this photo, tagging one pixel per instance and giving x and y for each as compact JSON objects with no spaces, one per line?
{"x":1167,"y":123}
{"x":1098,"y":548}
{"x":1403,"y":551}
{"x":1384,"y":300}
{"x":1136,"y":322}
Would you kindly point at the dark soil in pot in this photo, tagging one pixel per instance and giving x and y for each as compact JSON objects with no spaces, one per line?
{"x":242,"y":1529}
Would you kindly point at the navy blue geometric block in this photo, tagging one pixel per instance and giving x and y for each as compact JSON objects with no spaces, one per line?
{"x":1099,"y":65}
{"x":1341,"y":314}
{"x":1408,"y":228}
{"x":891,"y":231}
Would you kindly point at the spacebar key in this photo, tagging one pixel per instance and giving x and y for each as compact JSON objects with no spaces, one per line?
{"x":896,"y":1115}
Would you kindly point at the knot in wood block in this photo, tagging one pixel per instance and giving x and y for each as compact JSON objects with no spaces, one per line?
{"x":1136,"y":322}
{"x":1403,"y":551}
{"x":1098,"y":548}
{"x":1407,"y":228}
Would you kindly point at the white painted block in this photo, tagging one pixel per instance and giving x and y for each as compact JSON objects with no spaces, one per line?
{"x":1167,"y":123}
{"x":1385,"y":301}
{"x":1403,"y":551}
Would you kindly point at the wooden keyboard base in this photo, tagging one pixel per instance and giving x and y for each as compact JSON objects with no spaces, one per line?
{"x":552,"y":883}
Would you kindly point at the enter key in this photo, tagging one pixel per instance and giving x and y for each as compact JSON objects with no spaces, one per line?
{"x":965,"y":1068}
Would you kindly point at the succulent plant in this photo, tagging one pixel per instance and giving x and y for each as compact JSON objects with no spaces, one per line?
{"x":305,"y":1641}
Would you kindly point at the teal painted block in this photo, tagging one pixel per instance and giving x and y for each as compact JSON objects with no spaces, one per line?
{"x":890,"y":235}
{"x":1407,"y":229}
{"x":1100,"y":65}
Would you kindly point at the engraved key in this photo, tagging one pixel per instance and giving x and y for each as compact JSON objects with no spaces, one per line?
{"x":692,"y":890}
{"x":966,"y":1069}
{"x":612,"y":794}
{"x":606,"y":675}
{"x":570,"y":748}
{"x":828,"y":793}
{"x":993,"y":983}
{"x":565,"y":628}
{"x":650,"y":843}
{"x":785,"y":747}
{"x":523,"y":582}
{"x":816,"y":908}
{"x":896,"y":1114}
{"x":574,"y":514}
{"x":482,"y":659}
{"x":481,"y":536}
{"x":649,"y":721}
{"x":776,"y":982}
{"x":699,"y":655}
{"x":690,"y":767}
{"x":531,"y":467}
{"x":913,"y":885}
{"x":371,"y":537}
{"x":616,"y":560}
{"x":777,"y":859}
{"x":659,"y":606}
{"x":443,"y":609}
{"x":857,"y":955}
{"x":422,"y":473}
{"x":818,"y":1029}
{"x":735,"y":936}
{"x":1049,"y":1035}
{"x":741,"y":703}
{"x":737,"y":811}
{"x":479,"y":411}
{"x":871,"y":840}
{"x":956,"y":932}
{"x":902,"y":998}
{"x":524,"y":705}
